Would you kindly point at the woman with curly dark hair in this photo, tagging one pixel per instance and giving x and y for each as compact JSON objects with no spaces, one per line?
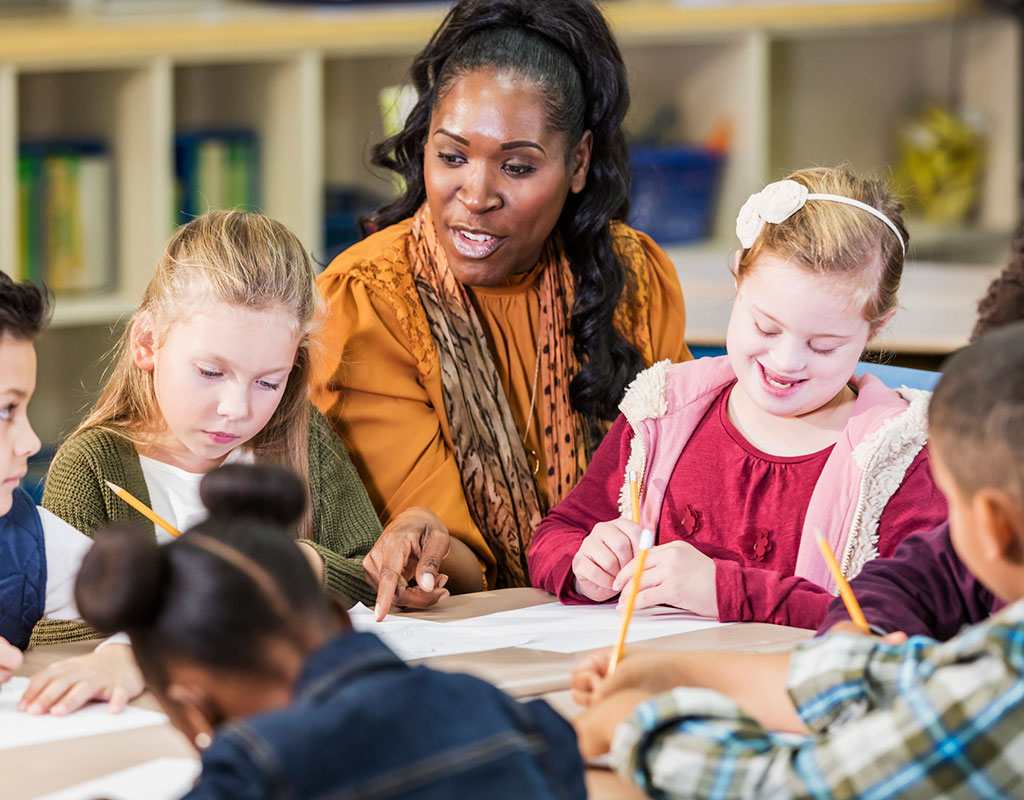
{"x":480,"y":341}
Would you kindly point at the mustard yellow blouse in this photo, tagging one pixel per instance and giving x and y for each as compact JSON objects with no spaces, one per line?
{"x":377,"y":379}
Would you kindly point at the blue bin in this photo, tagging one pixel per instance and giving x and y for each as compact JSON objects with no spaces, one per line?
{"x":672,"y":197}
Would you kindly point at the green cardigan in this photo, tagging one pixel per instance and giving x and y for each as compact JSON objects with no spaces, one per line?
{"x":345,"y":525}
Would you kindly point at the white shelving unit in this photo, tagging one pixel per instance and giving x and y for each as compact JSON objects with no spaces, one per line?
{"x":801,"y":82}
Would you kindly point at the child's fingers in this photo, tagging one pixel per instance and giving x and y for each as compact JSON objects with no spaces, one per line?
{"x":44,"y":690}
{"x":587,"y":675}
{"x":78,"y":694}
{"x":585,"y":569}
{"x":118,"y":699}
{"x":625,"y":575}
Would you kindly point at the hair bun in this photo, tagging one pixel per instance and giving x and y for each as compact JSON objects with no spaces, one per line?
{"x":121,"y":582}
{"x":254,"y":491}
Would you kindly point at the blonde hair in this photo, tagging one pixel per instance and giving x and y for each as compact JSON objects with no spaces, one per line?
{"x":246,"y":261}
{"x":829,"y":238}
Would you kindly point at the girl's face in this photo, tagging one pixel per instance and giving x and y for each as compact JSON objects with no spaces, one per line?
{"x":497,"y":176}
{"x":794,"y":337}
{"x":219,"y":376}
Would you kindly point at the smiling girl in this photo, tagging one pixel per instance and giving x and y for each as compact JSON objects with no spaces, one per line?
{"x":742,"y":457}
{"x":212,"y":368}
{"x":481,"y":339}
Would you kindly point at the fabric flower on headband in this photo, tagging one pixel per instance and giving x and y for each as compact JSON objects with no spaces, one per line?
{"x":775,"y":203}
{"x":778,"y":201}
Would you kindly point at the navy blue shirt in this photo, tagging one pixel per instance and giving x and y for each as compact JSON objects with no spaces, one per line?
{"x":22,"y":570}
{"x":365,"y":725}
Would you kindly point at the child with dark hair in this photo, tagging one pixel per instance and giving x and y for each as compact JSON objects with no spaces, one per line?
{"x":919,"y":719}
{"x":924,"y":588}
{"x":39,"y":552}
{"x":263,"y":673}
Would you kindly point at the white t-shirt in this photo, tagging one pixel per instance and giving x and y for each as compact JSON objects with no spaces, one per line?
{"x":65,"y":548}
{"x":174,"y":492}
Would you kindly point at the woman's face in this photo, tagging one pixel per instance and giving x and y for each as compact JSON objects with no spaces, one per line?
{"x":496,"y":175}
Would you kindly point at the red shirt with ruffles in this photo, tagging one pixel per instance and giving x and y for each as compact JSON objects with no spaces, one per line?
{"x":742,"y":507}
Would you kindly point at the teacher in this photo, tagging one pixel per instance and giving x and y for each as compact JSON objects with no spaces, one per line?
{"x":478,"y":343}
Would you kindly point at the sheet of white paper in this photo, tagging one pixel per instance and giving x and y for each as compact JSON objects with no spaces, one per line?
{"x":160,"y":779}
{"x":563,"y":628}
{"x":18,"y":729}
{"x":419,"y":638}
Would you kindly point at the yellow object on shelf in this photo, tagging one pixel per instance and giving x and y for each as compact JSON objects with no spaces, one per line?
{"x":942,"y":156}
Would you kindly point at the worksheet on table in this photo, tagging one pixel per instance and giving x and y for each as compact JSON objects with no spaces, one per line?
{"x":562,"y":628}
{"x":18,"y":729}
{"x":554,"y":627}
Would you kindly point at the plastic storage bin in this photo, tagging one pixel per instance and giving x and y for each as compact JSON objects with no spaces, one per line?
{"x":672,"y":197}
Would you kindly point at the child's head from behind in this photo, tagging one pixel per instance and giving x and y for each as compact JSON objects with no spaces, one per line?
{"x":24,"y":312}
{"x":222,"y":618}
{"x":976,"y":442}
{"x":817,"y":278}
{"x":218,"y":353}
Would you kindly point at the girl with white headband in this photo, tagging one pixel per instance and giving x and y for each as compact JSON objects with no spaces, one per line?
{"x":741,"y":458}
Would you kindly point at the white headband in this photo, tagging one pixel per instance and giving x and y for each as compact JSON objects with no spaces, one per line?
{"x":778,"y":201}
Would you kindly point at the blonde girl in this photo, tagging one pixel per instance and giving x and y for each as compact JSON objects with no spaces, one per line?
{"x":213,"y":368}
{"x":742,"y":457}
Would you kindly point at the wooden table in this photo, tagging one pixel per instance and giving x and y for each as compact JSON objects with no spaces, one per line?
{"x":31,"y":771}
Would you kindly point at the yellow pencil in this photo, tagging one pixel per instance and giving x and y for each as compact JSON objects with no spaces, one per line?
{"x":852,"y":606}
{"x":143,"y":509}
{"x":646,"y":541}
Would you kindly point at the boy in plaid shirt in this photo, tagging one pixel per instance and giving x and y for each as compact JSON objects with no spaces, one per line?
{"x":848,"y":715}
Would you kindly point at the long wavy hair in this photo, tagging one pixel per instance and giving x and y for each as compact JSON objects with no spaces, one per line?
{"x":244,"y":260}
{"x":566,"y":49}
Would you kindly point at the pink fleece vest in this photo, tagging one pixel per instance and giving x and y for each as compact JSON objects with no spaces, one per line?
{"x":664,"y":425}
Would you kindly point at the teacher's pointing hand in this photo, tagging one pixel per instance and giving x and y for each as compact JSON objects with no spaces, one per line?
{"x":412,"y":546}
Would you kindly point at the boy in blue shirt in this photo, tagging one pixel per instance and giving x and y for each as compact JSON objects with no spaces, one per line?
{"x":920,"y":719}
{"x":40,"y":553}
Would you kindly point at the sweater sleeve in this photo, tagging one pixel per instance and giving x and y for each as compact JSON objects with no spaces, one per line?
{"x":923,"y":589}
{"x":593,"y":500}
{"x":345,"y":525}
{"x":72,"y":490}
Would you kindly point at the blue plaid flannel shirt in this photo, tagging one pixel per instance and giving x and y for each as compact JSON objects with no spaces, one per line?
{"x":919,"y":720}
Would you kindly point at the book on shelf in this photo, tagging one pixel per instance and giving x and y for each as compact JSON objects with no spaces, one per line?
{"x":215,"y":169}
{"x":65,"y":206}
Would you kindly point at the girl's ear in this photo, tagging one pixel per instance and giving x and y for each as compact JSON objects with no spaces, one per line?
{"x":580,"y":163}
{"x":734,"y":267}
{"x":876,"y":328}
{"x":999,"y":527}
{"x":142,"y":342}
{"x":190,"y":714}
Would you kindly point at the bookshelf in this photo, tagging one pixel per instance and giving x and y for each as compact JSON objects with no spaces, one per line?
{"x":802,"y":82}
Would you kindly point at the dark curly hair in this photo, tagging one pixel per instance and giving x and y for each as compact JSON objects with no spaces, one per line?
{"x":1003,"y":302}
{"x":24,"y":308}
{"x":566,"y":48}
